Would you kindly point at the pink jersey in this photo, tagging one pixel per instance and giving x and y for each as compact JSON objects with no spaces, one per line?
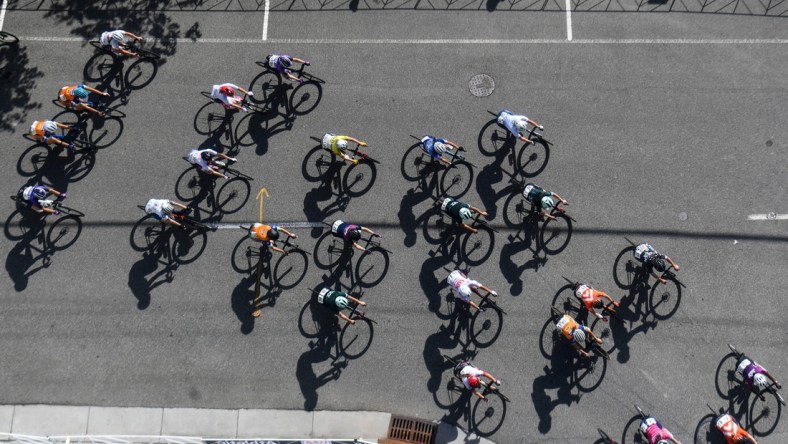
{"x":655,"y":432}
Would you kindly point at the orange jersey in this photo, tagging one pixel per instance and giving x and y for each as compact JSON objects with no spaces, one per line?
{"x":261,"y":231}
{"x":566,"y":324}
{"x":66,"y":94}
{"x":731,"y":430}
{"x":588,"y":295}
{"x":37,"y":130}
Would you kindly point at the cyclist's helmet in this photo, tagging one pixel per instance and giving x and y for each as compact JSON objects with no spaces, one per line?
{"x":273,"y":234}
{"x":760,"y":381}
{"x":440,"y":147}
{"x":118,"y":36}
{"x":473,"y":381}
{"x":547,"y":203}
{"x":465,"y":213}
{"x":227,"y":90}
{"x":342,"y":144}
{"x":206,"y":156}
{"x":341,"y":302}
{"x":659,"y":265}
{"x":663,"y":441}
{"x":81,"y":92}
{"x":50,"y":126}
{"x":579,"y":335}
{"x":39,"y":193}
{"x":743,"y":365}
{"x":465,"y":292}
{"x":354,"y":235}
{"x":167,"y":208}
{"x":285,"y":61}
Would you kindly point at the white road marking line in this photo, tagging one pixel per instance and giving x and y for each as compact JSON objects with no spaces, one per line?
{"x":569,"y":20}
{"x":458,"y":41}
{"x":770,"y":216}
{"x":265,"y":19}
{"x":2,"y":13}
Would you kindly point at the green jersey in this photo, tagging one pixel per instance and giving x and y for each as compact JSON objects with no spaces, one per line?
{"x":452,"y":207}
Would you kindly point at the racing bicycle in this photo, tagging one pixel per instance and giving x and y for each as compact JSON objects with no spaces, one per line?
{"x":55,"y":204}
{"x":608,"y":308}
{"x":733,"y":376}
{"x":590,"y":344}
{"x":486,"y":387}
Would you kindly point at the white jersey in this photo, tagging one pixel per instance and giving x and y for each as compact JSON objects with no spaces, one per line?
{"x":510,"y":121}
{"x":228,"y":101}
{"x":457,"y":279}
{"x":195,"y":158}
{"x":468,"y":371}
{"x":154,"y":206}
{"x":106,"y":39}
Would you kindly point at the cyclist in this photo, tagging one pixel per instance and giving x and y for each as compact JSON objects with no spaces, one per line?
{"x":470,"y":376}
{"x":76,"y":97}
{"x":575,"y":333}
{"x":350,"y":233}
{"x":35,"y":197}
{"x":338,"y":144}
{"x":227,"y":94}
{"x":541,"y":199}
{"x":436,"y":147}
{"x":516,"y":124}
{"x":592,"y":298}
{"x":756,"y":378}
{"x":268,"y":235}
{"x":338,"y":301}
{"x":204,"y":159}
{"x":655,"y":433}
{"x":115,"y":41}
{"x":653,"y":260}
{"x":462,"y":287}
{"x":281,"y":63}
{"x":732,"y":431}
{"x":163,"y":210}
{"x":460,"y":212}
{"x":44,"y":131}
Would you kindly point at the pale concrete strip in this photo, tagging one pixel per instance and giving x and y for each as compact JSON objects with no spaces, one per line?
{"x":274,"y":423}
{"x":455,"y":41}
{"x":770,"y":216}
{"x":208,"y":423}
{"x":45,"y":420}
{"x":6,"y":416}
{"x":125,"y":421}
{"x":367,"y":425}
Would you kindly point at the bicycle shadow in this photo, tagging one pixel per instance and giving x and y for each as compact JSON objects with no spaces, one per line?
{"x":196,"y":188}
{"x":452,"y":241}
{"x":41,"y":161}
{"x":491,"y":175}
{"x":260,"y":125}
{"x":145,"y":275}
{"x":408,"y":221}
{"x":519,"y":243}
{"x":18,"y":79}
{"x":320,"y":351}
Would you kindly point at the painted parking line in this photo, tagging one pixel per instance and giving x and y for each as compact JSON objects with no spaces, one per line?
{"x":569,"y":20}
{"x":2,"y":13}
{"x":768,"y":216}
{"x":265,"y":19}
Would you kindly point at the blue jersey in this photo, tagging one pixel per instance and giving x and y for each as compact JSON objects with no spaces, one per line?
{"x":428,"y":145}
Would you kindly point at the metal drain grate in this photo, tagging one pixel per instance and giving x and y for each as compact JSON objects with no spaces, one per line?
{"x":481,"y":85}
{"x":412,"y":430}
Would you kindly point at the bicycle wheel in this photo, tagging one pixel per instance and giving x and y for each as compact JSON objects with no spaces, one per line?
{"x":532,"y":159}
{"x":478,"y":247}
{"x":317,"y":164}
{"x":264,"y":86}
{"x":372,"y":267}
{"x":414,"y":163}
{"x":590,"y":372}
{"x":354,"y":340}
{"x":485,"y":327}
{"x":664,"y":299}
{"x":359,"y":178}
{"x":104,"y":132}
{"x":493,"y":138}
{"x":456,"y":180}
{"x":233,"y":195}
{"x":211,"y":118}
{"x":189,"y":185}
{"x":605,"y":333}
{"x":188,"y":245}
{"x":436,"y":226}
{"x":765,"y":414}
{"x":555,"y":234}
{"x":290,"y":269}
{"x":625,"y":268}
{"x":725,"y":379}
{"x":33,"y":160}
{"x":705,"y":432}
{"x":330,"y":251}
{"x":100,"y":68}
{"x":64,"y":232}
{"x":515,"y":210}
{"x":141,"y":73}
{"x":145,"y":233}
{"x":68,"y":210}
{"x":8,"y":38}
{"x":305,"y":98}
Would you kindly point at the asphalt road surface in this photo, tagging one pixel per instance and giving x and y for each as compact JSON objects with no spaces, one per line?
{"x":665,"y":127}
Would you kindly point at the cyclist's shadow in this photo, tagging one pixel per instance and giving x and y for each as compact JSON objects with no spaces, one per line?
{"x":490,"y":175}
{"x":322,"y":343}
{"x":145,"y":275}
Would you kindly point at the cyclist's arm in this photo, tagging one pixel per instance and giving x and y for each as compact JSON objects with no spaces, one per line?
{"x":580,"y":349}
{"x":474,"y":305}
{"x":356,"y":300}
{"x":672,"y":264}
{"x":94,"y":90}
{"x":243,"y":90}
{"x":347,"y":319}
{"x":354,"y":140}
{"x":487,"y":289}
{"x":563,"y":201}
{"x":297,"y":60}
{"x":358,"y":247}
{"x":593,"y":312}
{"x":658,"y":277}
{"x":224,"y":156}
{"x":479,"y":395}
{"x":443,"y":159}
{"x":453,"y":144}
{"x":591,"y":332}
{"x":170,"y":221}
{"x":275,"y":248}
{"x":366,"y":230}
{"x":533,"y":122}
{"x":285,"y":231}
{"x":474,"y":209}
{"x":123,"y":51}
{"x":135,"y":37}
{"x":214,"y":172}
{"x":490,"y":377}
{"x":62,"y":125}
{"x":469,"y":228}
{"x":179,"y":205}
{"x":54,"y":191}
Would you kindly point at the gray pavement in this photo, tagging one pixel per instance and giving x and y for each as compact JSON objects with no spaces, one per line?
{"x":672,"y":142}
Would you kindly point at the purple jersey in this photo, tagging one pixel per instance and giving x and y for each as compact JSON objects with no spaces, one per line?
{"x":750,"y":371}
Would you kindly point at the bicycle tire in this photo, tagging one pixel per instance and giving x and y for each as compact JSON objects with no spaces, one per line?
{"x":145,"y":236}
{"x":779,"y":396}
{"x":284,"y":275}
{"x":457,"y":179}
{"x":183,"y":247}
{"x":233,"y":195}
{"x":189,"y":185}
{"x":625,"y":268}
{"x":328,"y":256}
{"x":765,"y":421}
{"x":555,"y":243}
{"x":532,"y":159}
{"x":305,"y":98}
{"x":141,"y":73}
{"x":414,"y":162}
{"x":67,"y":210}
{"x":492,"y":138}
{"x":725,"y":378}
{"x":6,"y":38}
{"x":211,"y":118}
{"x":478,"y":247}
{"x":61,"y":229}
{"x":100,"y":66}
{"x":317,"y":164}
{"x":662,"y":297}
{"x":264,"y":86}
{"x":359,"y":178}
{"x":371,"y":271}
{"x":97,"y":137}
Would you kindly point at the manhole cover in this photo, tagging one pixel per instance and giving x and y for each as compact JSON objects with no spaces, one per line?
{"x":769,"y":143}
{"x":481,"y":85}
{"x":771,"y":216}
{"x":682,"y":216}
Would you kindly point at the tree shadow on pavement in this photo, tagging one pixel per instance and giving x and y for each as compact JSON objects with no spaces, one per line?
{"x":17,"y":79}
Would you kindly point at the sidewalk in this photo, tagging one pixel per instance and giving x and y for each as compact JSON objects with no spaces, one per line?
{"x":53,"y":420}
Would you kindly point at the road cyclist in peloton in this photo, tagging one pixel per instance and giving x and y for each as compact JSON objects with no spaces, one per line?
{"x":516,"y":124}
{"x":337,"y":301}
{"x":207,"y":163}
{"x":44,"y":131}
{"x":541,"y":199}
{"x":653,"y":260}
{"x":115,"y":41}
{"x":227,"y":94}
{"x":35,"y":196}
{"x":75,"y":97}
{"x":338,"y":144}
{"x":436,"y":148}
{"x":756,"y":378}
{"x":460,"y":212}
{"x":351,"y":233}
{"x":592,"y":298}
{"x":470,"y":376}
{"x":575,"y":333}
{"x":463,"y":288}
{"x":268,"y":235}
{"x":732,"y":431}
{"x":283,"y":63}
{"x":655,"y":432}
{"x":163,"y":210}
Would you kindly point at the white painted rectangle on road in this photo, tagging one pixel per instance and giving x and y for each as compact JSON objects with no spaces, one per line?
{"x":769,"y":216}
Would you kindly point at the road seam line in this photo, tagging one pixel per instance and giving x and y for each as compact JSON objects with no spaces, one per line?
{"x":569,"y":20}
{"x":265,"y":19}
